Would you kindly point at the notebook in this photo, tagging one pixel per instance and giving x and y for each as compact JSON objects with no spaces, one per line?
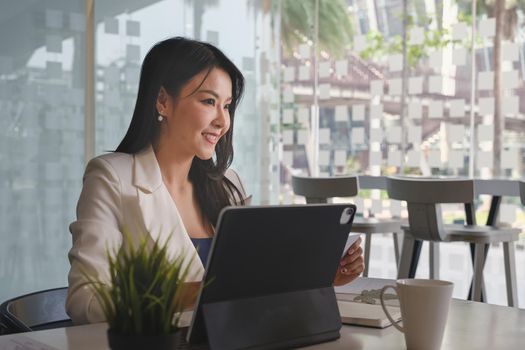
{"x":359,"y":303}
{"x":362,"y":314}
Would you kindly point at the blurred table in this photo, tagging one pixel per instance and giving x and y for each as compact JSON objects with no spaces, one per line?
{"x":470,"y":325}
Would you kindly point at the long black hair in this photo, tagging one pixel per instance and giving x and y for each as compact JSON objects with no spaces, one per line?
{"x":171,"y":64}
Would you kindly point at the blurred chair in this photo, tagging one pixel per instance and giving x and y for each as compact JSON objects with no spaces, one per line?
{"x":522,"y":192}
{"x":424,"y":197}
{"x":319,"y":190}
{"x":36,"y":311}
{"x":3,"y":329}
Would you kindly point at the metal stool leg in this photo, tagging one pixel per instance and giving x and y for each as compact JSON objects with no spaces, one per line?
{"x":395,"y":235}
{"x":405,"y":261}
{"x":510,"y":273}
{"x":434,"y":260}
{"x":479,"y":258}
{"x":368,"y":243}
{"x":415,"y":258}
{"x":483,"y":291}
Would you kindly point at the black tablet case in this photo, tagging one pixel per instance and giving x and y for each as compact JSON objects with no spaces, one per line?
{"x":269,"y":277}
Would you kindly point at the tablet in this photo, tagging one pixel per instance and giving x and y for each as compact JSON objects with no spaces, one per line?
{"x":264,"y":256}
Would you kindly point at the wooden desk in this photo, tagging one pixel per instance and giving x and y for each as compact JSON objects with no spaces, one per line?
{"x":470,"y":325}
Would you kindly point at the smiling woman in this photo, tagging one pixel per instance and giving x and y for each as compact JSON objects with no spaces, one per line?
{"x":194,"y":122}
{"x":183,"y":85}
{"x":169,"y":176}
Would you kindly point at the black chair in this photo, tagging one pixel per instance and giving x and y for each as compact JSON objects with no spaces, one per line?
{"x":3,"y":329}
{"x":36,"y":311}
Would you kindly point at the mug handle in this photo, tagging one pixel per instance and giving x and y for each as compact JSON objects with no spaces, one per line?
{"x":394,"y":323}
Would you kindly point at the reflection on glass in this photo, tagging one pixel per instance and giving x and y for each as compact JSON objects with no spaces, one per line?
{"x":361,"y":105}
{"x":42,"y":140}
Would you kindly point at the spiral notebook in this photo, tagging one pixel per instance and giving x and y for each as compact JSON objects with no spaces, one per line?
{"x":362,"y":314}
{"x":359,"y":303}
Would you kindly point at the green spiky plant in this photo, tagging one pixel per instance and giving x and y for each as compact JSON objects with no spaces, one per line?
{"x":146,"y":293}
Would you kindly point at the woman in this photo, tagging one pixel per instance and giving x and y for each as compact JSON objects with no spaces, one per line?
{"x":169,"y":175}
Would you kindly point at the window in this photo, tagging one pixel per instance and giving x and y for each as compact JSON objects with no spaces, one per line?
{"x":369,"y":122}
{"x":42,"y":94}
{"x":42,"y":142}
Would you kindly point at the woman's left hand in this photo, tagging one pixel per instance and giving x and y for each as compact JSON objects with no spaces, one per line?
{"x":351,"y":265}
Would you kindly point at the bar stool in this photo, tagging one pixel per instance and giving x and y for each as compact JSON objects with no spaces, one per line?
{"x":424,"y":197}
{"x":319,"y":190}
{"x":522,"y":192}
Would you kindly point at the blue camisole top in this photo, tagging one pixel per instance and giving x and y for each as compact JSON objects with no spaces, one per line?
{"x":203,"y":246}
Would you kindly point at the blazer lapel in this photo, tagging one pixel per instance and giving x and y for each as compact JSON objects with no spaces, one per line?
{"x":160,"y":215}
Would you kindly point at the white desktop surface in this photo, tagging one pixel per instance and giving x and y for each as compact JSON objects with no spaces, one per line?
{"x":470,"y":325}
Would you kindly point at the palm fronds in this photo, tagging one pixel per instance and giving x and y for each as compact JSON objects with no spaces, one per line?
{"x":335,"y":27}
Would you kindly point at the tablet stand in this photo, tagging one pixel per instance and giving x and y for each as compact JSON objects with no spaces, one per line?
{"x":281,"y":320}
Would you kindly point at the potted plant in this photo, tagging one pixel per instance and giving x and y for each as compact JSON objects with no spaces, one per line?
{"x":145,"y":297}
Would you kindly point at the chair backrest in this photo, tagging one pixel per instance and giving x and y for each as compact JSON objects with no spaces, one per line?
{"x":40,"y":310}
{"x":370,"y":182}
{"x":424,"y":196}
{"x":430,"y":189}
{"x":319,"y":189}
{"x":522,"y":192}
{"x":3,"y":328}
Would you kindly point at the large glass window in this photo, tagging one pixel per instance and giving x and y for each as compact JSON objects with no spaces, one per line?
{"x":43,"y":89}
{"x":325,"y":96}
{"x":123,"y":37}
{"x":42,"y":140}
{"x":347,"y":108}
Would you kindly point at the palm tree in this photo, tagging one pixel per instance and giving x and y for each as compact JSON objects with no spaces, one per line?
{"x":499,"y":120}
{"x":297,"y":20}
{"x":489,"y":7}
{"x":335,"y":26}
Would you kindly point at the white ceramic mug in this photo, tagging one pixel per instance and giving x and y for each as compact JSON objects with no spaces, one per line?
{"x":424,"y":310}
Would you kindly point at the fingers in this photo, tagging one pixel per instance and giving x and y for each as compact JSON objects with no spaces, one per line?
{"x":356,"y":246}
{"x":355,"y":267}
{"x":351,"y":255}
{"x":351,"y":265}
{"x":342,"y":279}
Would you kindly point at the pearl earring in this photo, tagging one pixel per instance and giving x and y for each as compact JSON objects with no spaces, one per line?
{"x":160,"y":118}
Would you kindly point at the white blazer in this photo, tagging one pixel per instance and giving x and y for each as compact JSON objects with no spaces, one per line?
{"x":123,"y":192}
